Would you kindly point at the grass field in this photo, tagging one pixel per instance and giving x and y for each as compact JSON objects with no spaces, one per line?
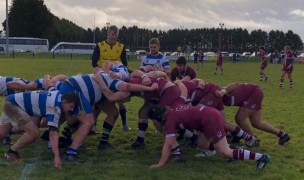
{"x":283,"y":108}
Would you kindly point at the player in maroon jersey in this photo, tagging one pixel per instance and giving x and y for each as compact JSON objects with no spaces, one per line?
{"x":207,"y":96}
{"x":263,"y":65}
{"x":219,"y":62}
{"x":249,"y":98}
{"x":166,"y":95}
{"x":287,"y":67}
{"x":182,"y":70}
{"x":209,"y":122}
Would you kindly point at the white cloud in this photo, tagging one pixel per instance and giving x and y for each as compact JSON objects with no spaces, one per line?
{"x":297,"y":12}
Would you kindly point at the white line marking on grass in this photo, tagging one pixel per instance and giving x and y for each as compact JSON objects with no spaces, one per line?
{"x":27,"y":170}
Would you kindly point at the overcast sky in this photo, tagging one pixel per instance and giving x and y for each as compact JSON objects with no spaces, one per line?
{"x":169,"y":14}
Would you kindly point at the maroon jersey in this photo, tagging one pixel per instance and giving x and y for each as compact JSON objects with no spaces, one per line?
{"x":219,"y":61}
{"x":163,"y":96}
{"x":263,"y":60}
{"x":287,"y":65}
{"x":204,"y":119}
{"x":207,"y":97}
{"x":176,"y":74}
{"x":245,"y":95}
{"x":191,"y":87}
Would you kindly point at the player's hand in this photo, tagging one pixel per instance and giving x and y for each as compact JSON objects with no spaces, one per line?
{"x":220,"y":93}
{"x":155,"y":166}
{"x":201,"y":84}
{"x":146,"y":81}
{"x":57,"y":163}
{"x":154,"y":86}
{"x":113,"y":75}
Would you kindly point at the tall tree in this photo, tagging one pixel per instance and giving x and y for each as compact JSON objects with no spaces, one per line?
{"x":29,"y":18}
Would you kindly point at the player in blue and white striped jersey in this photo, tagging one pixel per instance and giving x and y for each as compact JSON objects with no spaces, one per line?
{"x":90,"y":93}
{"x":118,"y":71}
{"x":155,"y":58}
{"x":24,"y":109}
{"x":5,"y":87}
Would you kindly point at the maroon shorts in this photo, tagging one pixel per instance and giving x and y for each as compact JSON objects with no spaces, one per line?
{"x":219,"y":63}
{"x":263,"y":65}
{"x":288,"y":70}
{"x":213,"y":125}
{"x":254,"y":101}
{"x":169,"y":96}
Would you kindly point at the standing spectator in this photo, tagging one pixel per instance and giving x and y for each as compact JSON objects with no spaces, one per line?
{"x":182,"y":70}
{"x":263,"y":65}
{"x":112,"y":50}
{"x":201,"y":59}
{"x":287,"y":67}
{"x":234,"y":56}
{"x":179,"y":50}
{"x":271,"y":58}
{"x":195,"y":55}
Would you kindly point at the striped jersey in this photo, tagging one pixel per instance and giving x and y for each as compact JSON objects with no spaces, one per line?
{"x":90,"y":88}
{"x":40,"y":84}
{"x":160,"y":59}
{"x":3,"y":80}
{"x":40,"y":104}
{"x":122,"y":70}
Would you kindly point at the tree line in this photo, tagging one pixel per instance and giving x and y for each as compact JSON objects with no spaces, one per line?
{"x":32,"y":18}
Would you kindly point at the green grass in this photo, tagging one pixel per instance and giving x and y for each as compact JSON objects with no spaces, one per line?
{"x":281,"y":107}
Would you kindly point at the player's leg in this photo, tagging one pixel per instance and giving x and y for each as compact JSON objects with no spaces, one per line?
{"x":282,"y":78}
{"x":240,"y":119}
{"x":290,"y":79}
{"x":123,"y":115}
{"x":256,"y":122}
{"x":224,"y":150}
{"x":112,"y":114}
{"x":142,"y":125}
{"x":240,"y":133}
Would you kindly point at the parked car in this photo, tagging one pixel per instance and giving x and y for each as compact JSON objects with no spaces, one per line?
{"x":209,"y":54}
{"x":300,"y":58}
{"x":140,"y":53}
{"x":246,"y":54}
{"x":255,"y":54}
{"x":175,"y":55}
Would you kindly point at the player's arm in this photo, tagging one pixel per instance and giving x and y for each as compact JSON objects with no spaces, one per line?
{"x":17,"y":86}
{"x":53,"y":135}
{"x":157,"y":74}
{"x":169,"y":141}
{"x":111,"y":96}
{"x":145,"y":79}
{"x":184,"y":90}
{"x":200,"y":83}
{"x":128,"y":87}
{"x":59,"y":77}
{"x":226,"y":89}
{"x":47,"y":82}
{"x":186,"y":78}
